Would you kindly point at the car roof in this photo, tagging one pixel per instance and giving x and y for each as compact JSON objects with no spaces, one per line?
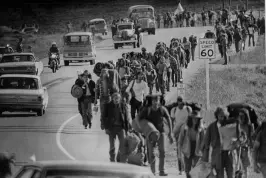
{"x":139,"y":6}
{"x":97,"y":19}
{"x":20,"y":75}
{"x":85,"y":165}
{"x":19,"y":54}
{"x":78,"y":33}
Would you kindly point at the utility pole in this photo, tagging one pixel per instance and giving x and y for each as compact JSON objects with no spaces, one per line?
{"x":223,"y":3}
{"x":246,"y":5}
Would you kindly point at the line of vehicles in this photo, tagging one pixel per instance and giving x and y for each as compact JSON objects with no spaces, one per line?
{"x":20,"y":84}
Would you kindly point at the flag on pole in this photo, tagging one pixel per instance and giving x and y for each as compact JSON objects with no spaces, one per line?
{"x":179,"y":9}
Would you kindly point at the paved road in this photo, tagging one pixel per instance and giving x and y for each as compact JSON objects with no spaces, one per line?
{"x":27,"y":134}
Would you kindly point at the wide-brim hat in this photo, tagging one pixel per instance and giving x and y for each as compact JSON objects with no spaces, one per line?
{"x":76,"y":91}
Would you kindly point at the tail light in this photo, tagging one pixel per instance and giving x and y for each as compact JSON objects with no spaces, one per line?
{"x":40,"y":98}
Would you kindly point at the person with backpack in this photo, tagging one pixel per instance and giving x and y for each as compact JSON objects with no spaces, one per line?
{"x":190,"y":142}
{"x":179,"y":115}
{"x":259,"y":153}
{"x":237,"y":38}
{"x":251,"y":32}
{"x":158,"y":116}
{"x":246,"y":130}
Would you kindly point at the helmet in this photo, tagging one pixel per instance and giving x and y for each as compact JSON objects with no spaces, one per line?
{"x":53,"y":43}
{"x":7,"y":45}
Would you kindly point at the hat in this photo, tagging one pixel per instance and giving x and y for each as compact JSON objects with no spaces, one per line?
{"x":179,"y":99}
{"x":85,"y":73}
{"x":79,"y":72}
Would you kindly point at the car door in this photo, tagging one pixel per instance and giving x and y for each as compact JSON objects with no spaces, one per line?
{"x":29,"y":172}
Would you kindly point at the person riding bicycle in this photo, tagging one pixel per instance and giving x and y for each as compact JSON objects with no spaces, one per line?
{"x":54,"y":49}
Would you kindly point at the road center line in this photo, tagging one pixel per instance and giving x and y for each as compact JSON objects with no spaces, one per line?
{"x":58,"y":137}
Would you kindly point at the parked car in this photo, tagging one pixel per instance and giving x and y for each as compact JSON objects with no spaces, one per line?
{"x":144,"y":15}
{"x":3,"y":51}
{"x":98,"y":26}
{"x":81,"y":169}
{"x":79,"y":47}
{"x":22,"y":93}
{"x":33,"y":28}
{"x":125,"y":35}
{"x":20,"y":63}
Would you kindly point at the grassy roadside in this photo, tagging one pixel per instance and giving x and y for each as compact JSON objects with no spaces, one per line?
{"x":230,"y":84}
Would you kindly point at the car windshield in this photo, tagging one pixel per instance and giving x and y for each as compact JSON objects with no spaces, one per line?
{"x":124,"y":27}
{"x":97,"y":23}
{"x":142,"y":13}
{"x":17,"y":58}
{"x":19,"y":83}
{"x":77,"y":40}
{"x":91,"y":174}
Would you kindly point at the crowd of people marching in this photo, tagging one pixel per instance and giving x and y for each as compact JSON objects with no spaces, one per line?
{"x":131,"y":95}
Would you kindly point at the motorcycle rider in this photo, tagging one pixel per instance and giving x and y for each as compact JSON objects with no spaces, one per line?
{"x":8,"y":49}
{"x":54,"y":49}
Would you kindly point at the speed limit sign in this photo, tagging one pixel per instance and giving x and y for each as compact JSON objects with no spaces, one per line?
{"x":207,"y":48}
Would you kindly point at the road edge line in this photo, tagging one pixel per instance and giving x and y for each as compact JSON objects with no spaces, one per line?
{"x":58,"y":137}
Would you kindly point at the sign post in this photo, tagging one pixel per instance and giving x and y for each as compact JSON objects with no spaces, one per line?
{"x":207,"y":51}
{"x":181,"y":90}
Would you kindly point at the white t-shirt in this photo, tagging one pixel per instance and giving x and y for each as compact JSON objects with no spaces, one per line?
{"x":141,"y":89}
{"x":180,"y":116}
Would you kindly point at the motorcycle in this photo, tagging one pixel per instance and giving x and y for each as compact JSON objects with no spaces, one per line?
{"x":53,"y":62}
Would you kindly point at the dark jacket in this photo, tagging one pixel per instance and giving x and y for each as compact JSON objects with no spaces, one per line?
{"x":212,"y":139}
{"x":54,"y":50}
{"x":109,"y":116}
{"x":91,"y":85}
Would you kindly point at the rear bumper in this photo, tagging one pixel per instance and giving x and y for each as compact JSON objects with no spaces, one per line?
{"x":20,"y":107}
{"x":78,"y":58}
{"x":123,"y":42}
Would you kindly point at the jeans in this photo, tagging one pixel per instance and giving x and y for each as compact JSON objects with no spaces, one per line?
{"x":227,"y":164}
{"x":223,"y":52}
{"x":86,"y":108}
{"x":180,"y":161}
{"x":169,"y":74}
{"x":79,"y":107}
{"x":121,"y":134}
{"x":150,"y":85}
{"x":174,"y":77}
{"x":237,"y":46}
{"x":193,"y":53}
{"x":135,"y":107}
{"x":253,"y":41}
{"x":151,"y":152}
{"x":161,"y":83}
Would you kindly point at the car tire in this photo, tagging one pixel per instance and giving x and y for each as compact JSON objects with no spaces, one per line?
{"x":116,"y":46}
{"x":92,"y":62}
{"x":41,"y":112}
{"x":66,"y":63}
{"x":134,"y":45}
{"x":153,"y":31}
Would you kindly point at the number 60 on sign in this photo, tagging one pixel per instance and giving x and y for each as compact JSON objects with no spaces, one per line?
{"x":207,"y":48}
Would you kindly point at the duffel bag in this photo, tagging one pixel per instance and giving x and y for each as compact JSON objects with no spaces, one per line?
{"x":136,"y":158}
{"x":149,"y":130}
